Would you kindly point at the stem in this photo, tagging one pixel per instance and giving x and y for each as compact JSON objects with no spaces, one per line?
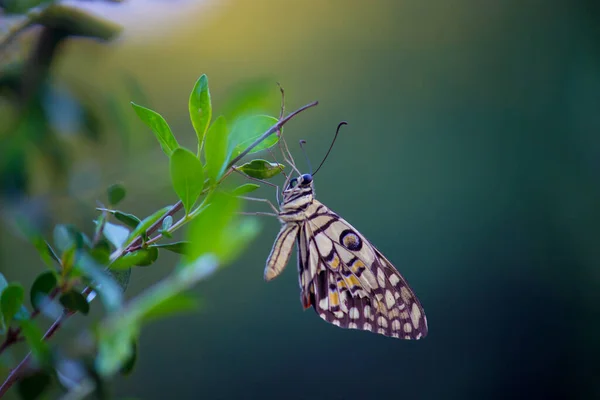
{"x":18,"y":371}
{"x":136,"y":244}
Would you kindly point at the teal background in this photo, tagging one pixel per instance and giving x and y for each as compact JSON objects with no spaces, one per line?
{"x":471,"y":160}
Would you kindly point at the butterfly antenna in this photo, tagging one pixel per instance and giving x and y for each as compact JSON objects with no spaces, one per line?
{"x":303,"y":142}
{"x":284,"y":149}
{"x":331,"y":146}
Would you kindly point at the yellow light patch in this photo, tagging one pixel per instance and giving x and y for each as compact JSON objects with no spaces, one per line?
{"x":341,"y":285}
{"x":353,"y":280}
{"x":334,"y":299}
{"x":335,"y":263}
{"x":357,"y":266}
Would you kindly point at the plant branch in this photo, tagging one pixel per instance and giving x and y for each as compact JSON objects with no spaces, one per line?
{"x":135,"y":245}
{"x":19,"y":370}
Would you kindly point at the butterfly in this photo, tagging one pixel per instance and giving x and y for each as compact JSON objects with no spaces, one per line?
{"x":342,"y":276}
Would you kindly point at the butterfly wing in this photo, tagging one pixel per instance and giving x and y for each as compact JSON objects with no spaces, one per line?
{"x":351,"y":284}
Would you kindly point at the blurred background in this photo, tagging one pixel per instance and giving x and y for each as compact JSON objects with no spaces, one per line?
{"x":471,"y":160}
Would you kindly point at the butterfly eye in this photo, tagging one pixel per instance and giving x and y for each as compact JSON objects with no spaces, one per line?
{"x":306,"y":179}
{"x":293,"y":183}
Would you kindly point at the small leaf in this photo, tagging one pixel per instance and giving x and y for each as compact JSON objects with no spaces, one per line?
{"x":121,"y":277}
{"x":177,"y":247}
{"x":129,"y":364}
{"x":36,"y":238}
{"x":200,"y":109}
{"x":31,"y":387}
{"x":11,"y":300}
{"x":141,"y":257}
{"x":215,"y":149}
{"x":3,"y":284}
{"x":43,"y":285}
{"x":261,"y":169}
{"x":116,"y":234}
{"x":74,"y":301}
{"x":114,"y":346}
{"x":33,"y":337}
{"x":180,"y":303}
{"x":116,"y":193}
{"x":66,"y":236}
{"x":246,"y":130}
{"x":167,"y":223}
{"x":187,"y":177}
{"x":151,"y":257}
{"x":128,"y":219}
{"x":146,"y":223}
{"x":159,"y":127}
{"x":103,"y":283}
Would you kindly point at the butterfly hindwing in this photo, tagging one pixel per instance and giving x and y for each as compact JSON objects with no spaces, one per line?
{"x":350,"y":283}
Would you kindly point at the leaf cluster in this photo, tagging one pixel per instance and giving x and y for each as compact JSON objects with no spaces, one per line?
{"x":80,"y":268}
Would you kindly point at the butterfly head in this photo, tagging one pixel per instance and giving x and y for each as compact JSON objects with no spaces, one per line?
{"x":303,"y":181}
{"x":299,"y":192}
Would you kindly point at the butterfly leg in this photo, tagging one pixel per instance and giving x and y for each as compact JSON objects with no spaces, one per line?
{"x":263,"y":201}
{"x":258,"y":213}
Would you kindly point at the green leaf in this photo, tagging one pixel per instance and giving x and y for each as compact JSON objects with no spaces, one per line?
{"x":151,"y":256}
{"x":116,"y":332}
{"x":42,"y":286}
{"x":114,"y":346}
{"x":179,"y":303}
{"x":187,"y":177}
{"x":257,"y":96}
{"x":128,"y":219}
{"x":176,"y":247}
{"x":36,"y":238}
{"x":3,"y":285}
{"x":146,"y":223}
{"x":218,"y":230}
{"x":116,"y":193}
{"x":130,"y":259}
{"x":11,"y":301}
{"x":74,"y":301}
{"x":129,"y":364}
{"x":31,"y":387}
{"x":33,"y":336}
{"x":261,"y":169}
{"x":215,"y":149}
{"x":167,"y":223}
{"x":68,"y":236}
{"x":247,"y":129}
{"x":115,"y":234}
{"x":103,"y":283}
{"x":200,"y":109}
{"x":159,"y":127}
{"x":121,"y":277}
{"x":244,"y":189}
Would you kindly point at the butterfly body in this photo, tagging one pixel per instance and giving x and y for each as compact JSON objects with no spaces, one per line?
{"x":342,"y":275}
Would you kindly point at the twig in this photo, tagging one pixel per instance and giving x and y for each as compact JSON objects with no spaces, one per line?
{"x":18,"y":371}
{"x":177,"y":206}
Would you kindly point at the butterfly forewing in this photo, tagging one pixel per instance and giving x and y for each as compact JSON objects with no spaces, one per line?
{"x":355,"y":286}
{"x":342,"y":275}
